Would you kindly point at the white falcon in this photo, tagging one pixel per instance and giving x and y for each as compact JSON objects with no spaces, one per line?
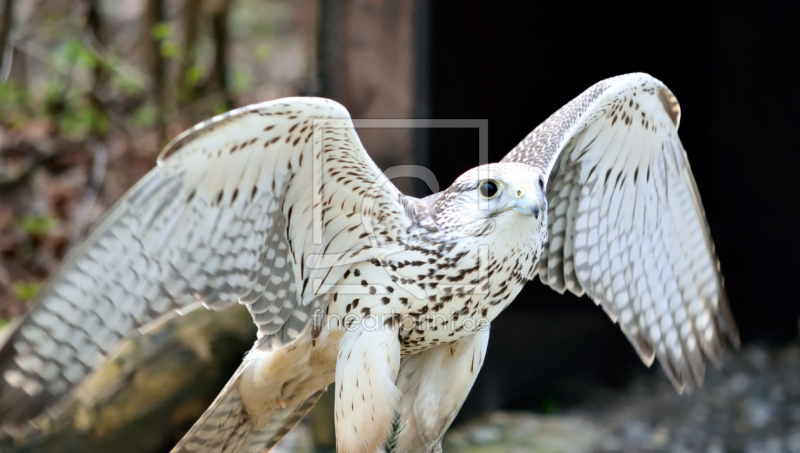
{"x":278,"y":207}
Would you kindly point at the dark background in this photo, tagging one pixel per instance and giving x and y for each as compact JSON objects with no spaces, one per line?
{"x":733,"y":68}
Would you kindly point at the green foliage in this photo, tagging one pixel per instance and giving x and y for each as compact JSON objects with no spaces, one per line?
{"x":241,"y":79}
{"x":163,"y":33}
{"x":74,"y":52}
{"x":68,"y":102}
{"x":55,"y":90}
{"x":169,"y":49}
{"x":145,"y":116}
{"x":4,"y":323}
{"x":193,"y":75}
{"x":220,"y":108}
{"x":82,"y":119}
{"x":263,"y":51}
{"x":26,"y":291}
{"x":12,"y":105}
{"x":10,"y":93}
{"x":38,"y":225}
{"x":127,"y":86}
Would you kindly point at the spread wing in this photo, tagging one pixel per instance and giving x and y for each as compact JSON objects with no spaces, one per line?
{"x":626,"y":225}
{"x":231,"y":214}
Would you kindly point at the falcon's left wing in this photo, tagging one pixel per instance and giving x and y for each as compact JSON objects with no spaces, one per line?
{"x":238,"y":210}
{"x":626,"y":225}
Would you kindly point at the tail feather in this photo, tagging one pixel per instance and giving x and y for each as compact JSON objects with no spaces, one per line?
{"x":227,"y":427}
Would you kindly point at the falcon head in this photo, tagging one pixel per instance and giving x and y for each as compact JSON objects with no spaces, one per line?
{"x":506,"y":196}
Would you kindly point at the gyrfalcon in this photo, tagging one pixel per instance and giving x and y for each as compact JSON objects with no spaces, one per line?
{"x":278,"y":207}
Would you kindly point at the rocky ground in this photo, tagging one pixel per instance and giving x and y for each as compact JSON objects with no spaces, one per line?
{"x":750,"y":405}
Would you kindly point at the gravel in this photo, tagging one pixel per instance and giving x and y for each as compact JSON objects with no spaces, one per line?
{"x":752,"y":405}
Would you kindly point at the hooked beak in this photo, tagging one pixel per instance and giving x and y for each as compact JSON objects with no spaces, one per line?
{"x":528,"y":204}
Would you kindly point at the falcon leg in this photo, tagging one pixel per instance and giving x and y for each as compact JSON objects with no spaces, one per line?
{"x":366,"y":394}
{"x":435,"y":384}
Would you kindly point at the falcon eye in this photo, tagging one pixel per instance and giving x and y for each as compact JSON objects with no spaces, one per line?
{"x":489,"y":189}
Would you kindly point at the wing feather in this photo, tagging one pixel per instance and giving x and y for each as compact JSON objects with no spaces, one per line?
{"x":225,"y":217}
{"x":626,"y":224}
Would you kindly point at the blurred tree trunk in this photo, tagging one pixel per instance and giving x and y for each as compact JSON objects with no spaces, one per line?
{"x":5,"y":31}
{"x":94,"y":29}
{"x":152,"y":393}
{"x":219,"y":74}
{"x":191,"y":22}
{"x":367,"y":62}
{"x":153,"y":16}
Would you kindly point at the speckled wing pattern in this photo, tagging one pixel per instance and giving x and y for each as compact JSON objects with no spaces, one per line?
{"x":226,"y":217}
{"x":227,"y":427}
{"x":626,"y":225}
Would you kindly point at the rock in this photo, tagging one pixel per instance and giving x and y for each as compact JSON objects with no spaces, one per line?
{"x":524,"y":432}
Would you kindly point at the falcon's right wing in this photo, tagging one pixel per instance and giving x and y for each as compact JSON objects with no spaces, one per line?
{"x":231,"y":214}
{"x":626,"y":225}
